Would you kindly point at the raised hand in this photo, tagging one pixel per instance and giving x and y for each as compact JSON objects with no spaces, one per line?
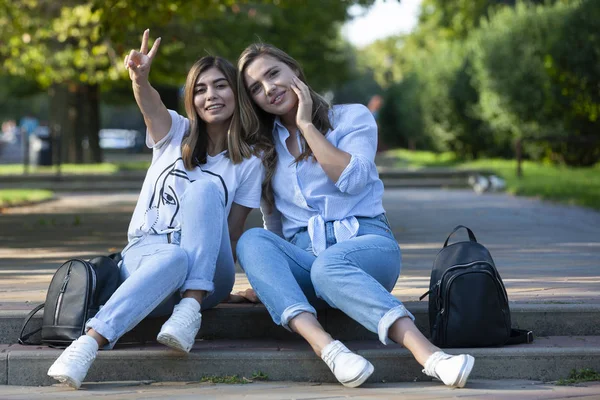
{"x":138,"y":62}
{"x":304,"y":113}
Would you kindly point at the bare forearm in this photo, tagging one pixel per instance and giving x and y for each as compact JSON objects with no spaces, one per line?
{"x":332,"y":160}
{"x":156,"y":115}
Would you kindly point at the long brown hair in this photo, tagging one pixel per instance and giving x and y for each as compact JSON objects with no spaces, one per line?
{"x":194,"y":147}
{"x":258,"y":124}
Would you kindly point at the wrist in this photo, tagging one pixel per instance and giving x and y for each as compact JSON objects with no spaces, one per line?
{"x":141,"y":84}
{"x":305,"y":127}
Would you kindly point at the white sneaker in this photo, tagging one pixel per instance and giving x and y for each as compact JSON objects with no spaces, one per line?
{"x":350,"y":369}
{"x":452,"y":370}
{"x":73,"y":364}
{"x":180,"y":330}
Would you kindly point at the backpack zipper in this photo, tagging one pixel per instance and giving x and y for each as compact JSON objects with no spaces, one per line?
{"x":93,"y":279}
{"x":439,"y":282}
{"x":61,"y":294}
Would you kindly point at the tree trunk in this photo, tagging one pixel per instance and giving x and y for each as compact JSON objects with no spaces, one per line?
{"x":74,"y":113}
{"x":88,"y":121}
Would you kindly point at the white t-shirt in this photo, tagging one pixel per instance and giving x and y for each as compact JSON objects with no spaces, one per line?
{"x":157,"y":209}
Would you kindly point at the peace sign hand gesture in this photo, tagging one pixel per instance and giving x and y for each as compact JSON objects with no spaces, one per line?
{"x":138,"y":62}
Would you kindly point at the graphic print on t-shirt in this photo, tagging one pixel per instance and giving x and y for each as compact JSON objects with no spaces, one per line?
{"x":165,"y":203}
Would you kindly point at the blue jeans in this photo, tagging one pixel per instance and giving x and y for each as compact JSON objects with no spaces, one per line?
{"x":354,"y":276}
{"x":156,"y":269}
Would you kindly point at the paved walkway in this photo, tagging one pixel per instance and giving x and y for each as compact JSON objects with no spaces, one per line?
{"x":476,"y":389}
{"x":545,"y":252}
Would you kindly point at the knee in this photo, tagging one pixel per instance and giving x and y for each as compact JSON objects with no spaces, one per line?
{"x":319,"y":271}
{"x":201,"y":190}
{"x":179,"y":262}
{"x":324,"y":270}
{"x":251,"y":244}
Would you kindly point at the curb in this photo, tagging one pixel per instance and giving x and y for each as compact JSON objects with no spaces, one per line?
{"x":550,"y":359}
{"x":248,"y":322}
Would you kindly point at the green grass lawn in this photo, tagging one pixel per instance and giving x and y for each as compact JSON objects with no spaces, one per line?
{"x":578,"y":186}
{"x":103,"y":168}
{"x":19,"y":196}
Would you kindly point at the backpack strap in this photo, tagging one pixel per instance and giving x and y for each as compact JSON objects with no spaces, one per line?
{"x":471,"y":235}
{"x":23,"y":338}
{"x":518,"y":336}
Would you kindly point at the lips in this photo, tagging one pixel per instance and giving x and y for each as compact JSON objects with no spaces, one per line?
{"x":214,"y":107}
{"x":278,"y":97}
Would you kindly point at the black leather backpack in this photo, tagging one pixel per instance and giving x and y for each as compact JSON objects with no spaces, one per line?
{"x":77,"y":291}
{"x":468,"y":304}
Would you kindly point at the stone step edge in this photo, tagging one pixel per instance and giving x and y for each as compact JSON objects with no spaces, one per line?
{"x":413,"y":306}
{"x":549,"y":359}
{"x":247,"y":321}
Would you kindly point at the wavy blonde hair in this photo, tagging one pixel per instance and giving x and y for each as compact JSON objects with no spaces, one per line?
{"x":258,"y":124}
{"x":194,"y":147}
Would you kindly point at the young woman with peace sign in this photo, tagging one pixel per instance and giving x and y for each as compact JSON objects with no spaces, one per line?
{"x":198,"y":191}
{"x":328,"y":241}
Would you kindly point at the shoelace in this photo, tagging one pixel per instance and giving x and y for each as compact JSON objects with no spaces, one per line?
{"x":336,"y":348}
{"x":79,"y":353}
{"x":183,"y":315}
{"x":432,"y":362}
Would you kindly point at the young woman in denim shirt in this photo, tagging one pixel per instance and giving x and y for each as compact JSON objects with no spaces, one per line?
{"x":327,"y":241}
{"x":199,"y":189}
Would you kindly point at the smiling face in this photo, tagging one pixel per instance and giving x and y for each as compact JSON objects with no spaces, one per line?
{"x":214,"y":99}
{"x":268,"y":83}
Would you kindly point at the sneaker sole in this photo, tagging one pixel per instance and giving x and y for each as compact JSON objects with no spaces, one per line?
{"x":361,"y":378}
{"x":169,"y":340}
{"x":465,"y":371}
{"x":75,"y":384}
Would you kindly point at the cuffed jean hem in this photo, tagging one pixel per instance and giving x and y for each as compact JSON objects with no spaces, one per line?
{"x":103,"y":329}
{"x":388,"y":320}
{"x":293,"y":311}
{"x":198,"y":284}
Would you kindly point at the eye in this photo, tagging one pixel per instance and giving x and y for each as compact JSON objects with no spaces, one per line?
{"x":222,"y":86}
{"x":168,"y":199}
{"x":255,"y":89}
{"x":273,"y":73}
{"x":200,"y":90}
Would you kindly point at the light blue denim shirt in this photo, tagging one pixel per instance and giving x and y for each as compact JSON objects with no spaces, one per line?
{"x":307,"y":198}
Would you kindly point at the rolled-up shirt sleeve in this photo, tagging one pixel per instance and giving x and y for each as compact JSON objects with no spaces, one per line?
{"x":357,"y":137}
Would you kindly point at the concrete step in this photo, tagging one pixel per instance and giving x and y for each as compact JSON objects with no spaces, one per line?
{"x":547,"y":359}
{"x":132,"y":180}
{"x":248,"y":321}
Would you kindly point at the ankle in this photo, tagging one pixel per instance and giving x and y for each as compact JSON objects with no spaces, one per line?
{"x":191,"y":302}
{"x":100,"y":340}
{"x":198,"y":295}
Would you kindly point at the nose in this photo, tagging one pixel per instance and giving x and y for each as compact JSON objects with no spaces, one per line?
{"x":269,"y":88}
{"x":211,"y":93}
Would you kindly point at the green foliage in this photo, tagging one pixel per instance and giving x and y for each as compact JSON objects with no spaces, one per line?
{"x":536,"y":82}
{"x":259,"y":376}
{"x":77,"y":169}
{"x":401,"y":117}
{"x":577,"y":186}
{"x":477,"y":75}
{"x":19,"y":196}
{"x":85,"y":41}
{"x":229,"y":380}
{"x":579,"y":376}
